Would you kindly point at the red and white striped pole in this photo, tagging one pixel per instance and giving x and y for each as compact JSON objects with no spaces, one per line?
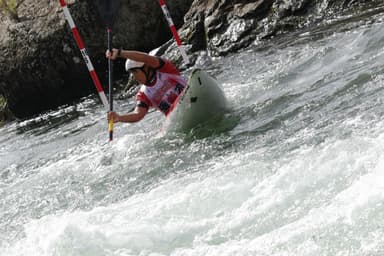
{"x":174,"y":31}
{"x":85,"y":55}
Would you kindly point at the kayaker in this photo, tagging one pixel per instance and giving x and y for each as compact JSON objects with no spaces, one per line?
{"x":161,"y":83}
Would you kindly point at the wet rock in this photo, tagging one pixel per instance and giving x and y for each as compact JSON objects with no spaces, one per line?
{"x":40,"y":64}
{"x":227,"y":26}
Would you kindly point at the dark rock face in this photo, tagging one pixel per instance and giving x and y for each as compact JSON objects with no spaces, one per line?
{"x":227,"y":26}
{"x":41,"y":66}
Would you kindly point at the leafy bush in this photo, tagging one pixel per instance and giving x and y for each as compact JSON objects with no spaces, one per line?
{"x":9,"y":7}
{"x":5,"y":113}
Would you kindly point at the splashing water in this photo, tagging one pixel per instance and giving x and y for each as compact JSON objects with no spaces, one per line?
{"x":295,"y":168}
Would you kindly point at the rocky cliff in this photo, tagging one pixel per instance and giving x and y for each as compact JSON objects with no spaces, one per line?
{"x":41,"y":66}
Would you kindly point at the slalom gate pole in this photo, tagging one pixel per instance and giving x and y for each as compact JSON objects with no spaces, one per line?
{"x":85,"y":55}
{"x":174,"y":31}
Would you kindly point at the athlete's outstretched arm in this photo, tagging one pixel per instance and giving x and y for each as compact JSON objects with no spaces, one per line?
{"x":149,"y":60}
{"x":136,"y":115}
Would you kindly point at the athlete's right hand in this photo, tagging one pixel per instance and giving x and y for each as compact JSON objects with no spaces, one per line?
{"x":113,"y":116}
{"x":111,"y":55}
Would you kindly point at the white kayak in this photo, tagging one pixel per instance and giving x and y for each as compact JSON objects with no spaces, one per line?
{"x":202,"y":100}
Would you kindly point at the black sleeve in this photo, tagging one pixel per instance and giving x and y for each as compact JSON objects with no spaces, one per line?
{"x":142,"y":105}
{"x":162,"y":63}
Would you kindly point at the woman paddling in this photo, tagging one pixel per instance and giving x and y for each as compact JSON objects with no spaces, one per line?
{"x":161,"y":83}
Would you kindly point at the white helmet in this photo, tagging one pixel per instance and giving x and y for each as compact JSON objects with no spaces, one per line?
{"x":129,"y":64}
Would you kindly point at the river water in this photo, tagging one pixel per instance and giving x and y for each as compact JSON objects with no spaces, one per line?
{"x":296,"y":167}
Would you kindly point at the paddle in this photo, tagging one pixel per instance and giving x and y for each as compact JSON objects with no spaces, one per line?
{"x":108,"y":12}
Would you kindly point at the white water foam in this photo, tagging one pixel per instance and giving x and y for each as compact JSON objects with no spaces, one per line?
{"x":309,"y":202}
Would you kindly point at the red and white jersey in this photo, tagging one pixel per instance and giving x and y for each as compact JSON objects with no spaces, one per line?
{"x":164,"y":90}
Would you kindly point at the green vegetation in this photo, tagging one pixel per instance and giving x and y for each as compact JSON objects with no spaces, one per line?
{"x":5,"y":114}
{"x":3,"y":103}
{"x":9,"y":7}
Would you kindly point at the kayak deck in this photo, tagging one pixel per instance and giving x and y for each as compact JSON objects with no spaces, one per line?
{"x":202,"y":99}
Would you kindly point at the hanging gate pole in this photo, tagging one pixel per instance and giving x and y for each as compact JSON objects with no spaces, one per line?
{"x":174,"y":31}
{"x":85,"y":55}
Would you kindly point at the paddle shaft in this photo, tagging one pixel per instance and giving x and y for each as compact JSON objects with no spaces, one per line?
{"x":108,"y":11}
{"x":110,"y":80}
{"x":168,"y":17}
{"x":85,"y":55}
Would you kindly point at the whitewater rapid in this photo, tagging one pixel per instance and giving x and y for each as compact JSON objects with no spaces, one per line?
{"x":295,"y":168}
